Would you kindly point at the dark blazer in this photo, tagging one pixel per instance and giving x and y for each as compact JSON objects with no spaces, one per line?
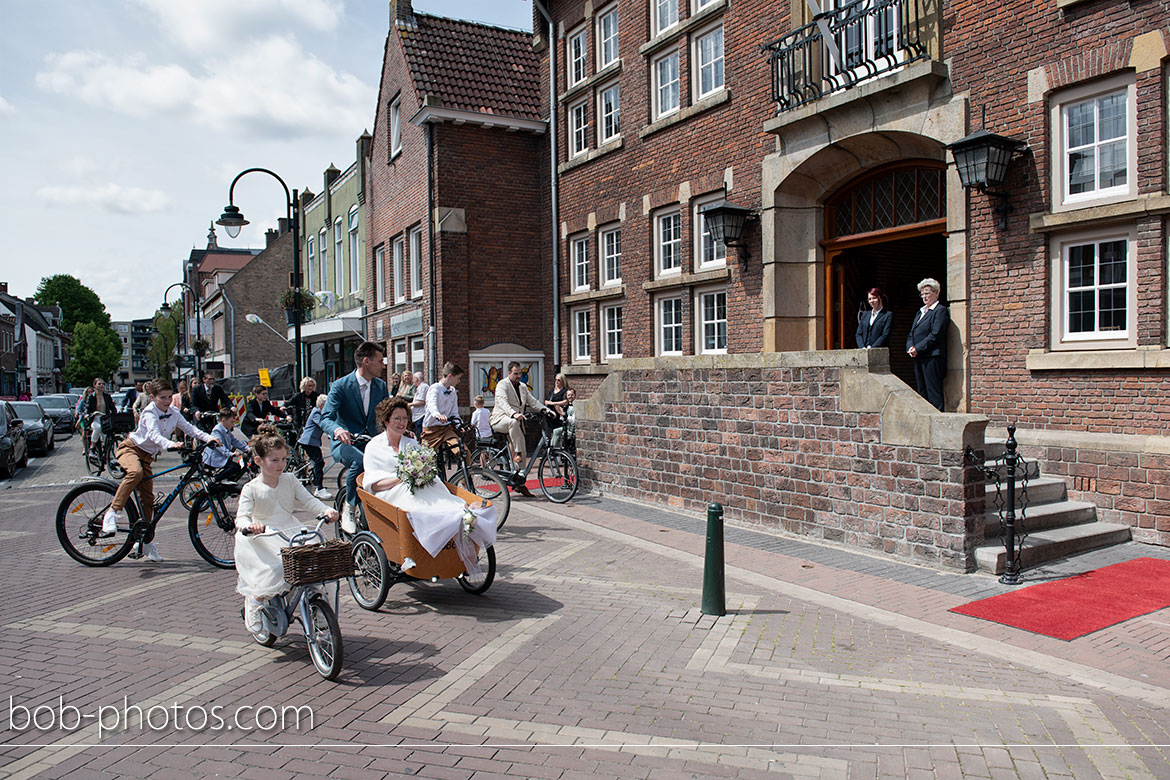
{"x":213,"y":402}
{"x":343,"y":408}
{"x":878,"y":334}
{"x":928,"y":334}
{"x":91,"y":403}
{"x":254,"y":414}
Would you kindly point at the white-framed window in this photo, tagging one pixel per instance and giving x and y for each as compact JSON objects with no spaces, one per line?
{"x":668,"y":243}
{"x":1094,"y":148}
{"x":417,"y":353}
{"x":666,"y":87}
{"x":711,"y":322}
{"x":709,"y":253}
{"x":311,"y":254}
{"x":354,"y":252}
{"x":323,"y":254}
{"x":612,"y":344}
{"x":664,"y":14}
{"x":708,"y":59}
{"x":416,"y":262}
{"x":608,"y":113}
{"x":1094,"y":289}
{"x":668,"y":313}
{"x":580,"y":254}
{"x":400,"y":364}
{"x":395,"y":126}
{"x":578,"y":128}
{"x":577,"y":55}
{"x":874,"y":36}
{"x":581,"y":335}
{"x":699,"y":5}
{"x":339,"y":255}
{"x":399,"y":286}
{"x":380,"y":277}
{"x":609,"y":242}
{"x":607,"y":37}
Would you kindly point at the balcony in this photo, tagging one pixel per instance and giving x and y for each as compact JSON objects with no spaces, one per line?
{"x":849,"y":45}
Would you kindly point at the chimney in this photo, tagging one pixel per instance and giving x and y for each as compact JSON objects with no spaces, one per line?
{"x":270,"y":237}
{"x":282,"y":226}
{"x":363,"y":144}
{"x":4,"y":287}
{"x":401,"y":13}
{"x":331,"y":174}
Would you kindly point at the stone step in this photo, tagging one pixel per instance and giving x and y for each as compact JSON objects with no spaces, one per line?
{"x":1041,"y":490}
{"x":1041,"y":517}
{"x":1047,"y":545}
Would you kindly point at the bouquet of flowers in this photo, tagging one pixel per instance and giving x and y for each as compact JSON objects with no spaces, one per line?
{"x":416,"y":467}
{"x":469,"y":519}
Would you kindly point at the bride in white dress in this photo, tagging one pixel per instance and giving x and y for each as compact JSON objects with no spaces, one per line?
{"x":436,"y":515}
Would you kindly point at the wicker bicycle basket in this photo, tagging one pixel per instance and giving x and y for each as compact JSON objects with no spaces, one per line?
{"x":309,"y":563}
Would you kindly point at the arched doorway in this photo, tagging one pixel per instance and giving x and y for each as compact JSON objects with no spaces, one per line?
{"x":885,"y":228}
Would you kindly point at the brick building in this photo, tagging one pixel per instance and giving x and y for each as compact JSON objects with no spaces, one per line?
{"x":835,"y":130}
{"x":458,"y":135}
{"x":207,"y":270}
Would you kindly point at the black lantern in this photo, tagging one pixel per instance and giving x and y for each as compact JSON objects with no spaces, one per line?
{"x":982,"y":159}
{"x":232,"y":220}
{"x":726,"y":221}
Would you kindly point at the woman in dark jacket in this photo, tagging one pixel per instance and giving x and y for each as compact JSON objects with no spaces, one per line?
{"x":303,"y":402}
{"x":873,"y":327}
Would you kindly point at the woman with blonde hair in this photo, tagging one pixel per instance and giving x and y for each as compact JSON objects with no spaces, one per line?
{"x":556,"y":397}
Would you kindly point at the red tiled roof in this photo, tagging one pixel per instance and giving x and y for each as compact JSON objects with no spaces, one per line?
{"x":473,"y":67}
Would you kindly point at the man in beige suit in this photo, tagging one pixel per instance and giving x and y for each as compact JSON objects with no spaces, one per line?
{"x":513,"y":400}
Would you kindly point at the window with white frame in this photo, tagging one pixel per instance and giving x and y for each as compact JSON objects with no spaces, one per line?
{"x":1095,"y":300}
{"x":400,"y":363}
{"x":339,"y":256}
{"x":608,"y":111}
{"x":699,"y":5}
{"x":708,"y":59}
{"x":354,"y":252}
{"x":871,"y":36}
{"x":311,"y":254}
{"x":610,"y":244}
{"x":669,"y":315}
{"x":395,"y":126}
{"x":709,"y":253}
{"x":417,"y":354}
{"x":612,"y":317}
{"x":581,"y":335}
{"x":711,"y":321}
{"x":607,"y":37}
{"x":668,"y":243}
{"x":322,"y":243}
{"x":380,"y":277}
{"x":664,"y":13}
{"x":580,"y":250}
{"x":577,"y":55}
{"x":415,"y":262}
{"x":1095,"y":151}
{"x":578,"y":128}
{"x":399,"y":286}
{"x":666,"y":87}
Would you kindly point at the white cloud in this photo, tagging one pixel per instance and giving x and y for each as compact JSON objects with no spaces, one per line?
{"x":219,"y":25}
{"x":110,"y":197}
{"x":270,"y":88}
{"x":79,"y":167}
{"x":6,"y":107}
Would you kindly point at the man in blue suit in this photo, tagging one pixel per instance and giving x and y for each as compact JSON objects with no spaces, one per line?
{"x":349,"y":410}
{"x":926,"y":343}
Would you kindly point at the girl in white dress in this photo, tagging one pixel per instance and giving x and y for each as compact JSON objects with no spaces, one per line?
{"x":436,"y":515}
{"x":268,"y":502}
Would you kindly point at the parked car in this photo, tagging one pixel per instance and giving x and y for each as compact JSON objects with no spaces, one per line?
{"x":58,"y":408}
{"x":38,"y":426}
{"x":13,"y":441}
{"x":73,"y":398}
{"x":119,"y":397}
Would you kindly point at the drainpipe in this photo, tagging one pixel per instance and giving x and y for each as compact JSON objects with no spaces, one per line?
{"x":432,"y":229}
{"x":232,"y":309}
{"x":552,"y":156}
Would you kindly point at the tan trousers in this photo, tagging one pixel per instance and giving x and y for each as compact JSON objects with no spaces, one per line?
{"x":138,"y":475}
{"x":515,"y":431}
{"x":434,"y":436}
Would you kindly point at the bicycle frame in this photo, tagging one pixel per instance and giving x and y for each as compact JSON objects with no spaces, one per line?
{"x":195,"y":470}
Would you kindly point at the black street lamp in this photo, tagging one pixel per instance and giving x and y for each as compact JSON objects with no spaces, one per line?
{"x":166,"y":311}
{"x":982,"y":159}
{"x":232,"y":220}
{"x":726,"y":221}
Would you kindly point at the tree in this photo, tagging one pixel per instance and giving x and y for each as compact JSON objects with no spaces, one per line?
{"x":96,"y":352}
{"x":161,"y":353}
{"x":78,"y":303}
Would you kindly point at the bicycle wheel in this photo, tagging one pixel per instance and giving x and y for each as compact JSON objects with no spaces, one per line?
{"x":491,"y":458}
{"x":188,"y":495}
{"x":557,"y":475}
{"x":79,"y":525}
{"x":486,"y":483}
{"x":481,"y":581}
{"x":371,"y":580}
{"x":115,"y":468}
{"x":92,"y":455}
{"x":324,"y":638}
{"x":212,"y":526}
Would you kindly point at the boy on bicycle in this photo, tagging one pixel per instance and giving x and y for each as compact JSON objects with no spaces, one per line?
{"x":138,"y":451}
{"x":220,"y":458}
{"x":442,"y":406}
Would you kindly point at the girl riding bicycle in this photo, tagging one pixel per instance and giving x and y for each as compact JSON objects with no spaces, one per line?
{"x":268,"y":501}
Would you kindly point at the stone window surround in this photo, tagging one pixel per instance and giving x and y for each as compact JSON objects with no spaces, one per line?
{"x":1075,"y":94}
{"x":1058,"y":242}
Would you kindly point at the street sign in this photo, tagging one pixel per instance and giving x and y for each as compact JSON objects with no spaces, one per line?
{"x":185,"y":361}
{"x":265,"y":380}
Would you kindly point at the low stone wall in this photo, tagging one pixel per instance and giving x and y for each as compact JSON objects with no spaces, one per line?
{"x":822,"y":444}
{"x":1126,"y":477}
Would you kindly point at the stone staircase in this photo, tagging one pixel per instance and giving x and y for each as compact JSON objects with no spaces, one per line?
{"x":1056,"y":527}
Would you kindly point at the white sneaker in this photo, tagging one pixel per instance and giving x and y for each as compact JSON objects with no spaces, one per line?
{"x":347,"y":523}
{"x":253,"y":610}
{"x":322,"y":494}
{"x":111,"y":520}
{"x":151,"y":552}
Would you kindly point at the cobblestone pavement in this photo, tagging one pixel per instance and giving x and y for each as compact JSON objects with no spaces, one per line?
{"x":588,"y":657}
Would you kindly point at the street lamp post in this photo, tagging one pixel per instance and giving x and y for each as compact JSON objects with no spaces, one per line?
{"x":232,"y":220}
{"x":166,"y":310}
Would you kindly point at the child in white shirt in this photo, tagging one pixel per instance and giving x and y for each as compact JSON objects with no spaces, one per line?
{"x":481,"y":420}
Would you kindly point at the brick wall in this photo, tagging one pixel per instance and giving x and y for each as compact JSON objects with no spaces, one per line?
{"x":256,"y":289}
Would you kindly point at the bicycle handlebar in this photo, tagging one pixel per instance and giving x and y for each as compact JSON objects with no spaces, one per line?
{"x":321,"y":520}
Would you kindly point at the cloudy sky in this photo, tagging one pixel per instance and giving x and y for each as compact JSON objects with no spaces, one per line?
{"x":122,"y":123}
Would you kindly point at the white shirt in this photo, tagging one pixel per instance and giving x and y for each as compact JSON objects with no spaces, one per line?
{"x":481,"y":420}
{"x":420,"y":394}
{"x":873,"y":315}
{"x":441,"y":400}
{"x":364,"y":389}
{"x":922,"y":312}
{"x":153,"y":434}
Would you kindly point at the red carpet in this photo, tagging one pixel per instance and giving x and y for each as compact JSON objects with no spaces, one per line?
{"x":1082,"y":604}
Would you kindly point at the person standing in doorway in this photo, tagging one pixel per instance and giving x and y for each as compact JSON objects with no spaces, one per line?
{"x":926,"y":344}
{"x":873,"y":327}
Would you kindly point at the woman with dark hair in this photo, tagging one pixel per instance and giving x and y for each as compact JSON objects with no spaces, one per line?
{"x":873,"y":326}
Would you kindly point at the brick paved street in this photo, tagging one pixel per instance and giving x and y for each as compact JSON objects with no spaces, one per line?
{"x":588,"y":657}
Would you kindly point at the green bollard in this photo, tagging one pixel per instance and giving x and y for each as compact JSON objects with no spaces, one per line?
{"x":714,"y":595}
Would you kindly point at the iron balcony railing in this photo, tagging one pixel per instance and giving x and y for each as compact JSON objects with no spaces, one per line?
{"x":845,"y":46}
